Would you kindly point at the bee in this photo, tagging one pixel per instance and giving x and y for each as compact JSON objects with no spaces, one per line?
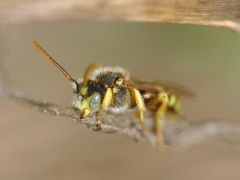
{"x":111,"y":89}
{"x":102,"y":88}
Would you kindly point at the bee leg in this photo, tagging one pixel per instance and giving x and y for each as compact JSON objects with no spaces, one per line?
{"x":98,"y":121}
{"x":160,"y":114}
{"x":140,"y":105}
{"x":159,"y":127}
{"x":105,"y":103}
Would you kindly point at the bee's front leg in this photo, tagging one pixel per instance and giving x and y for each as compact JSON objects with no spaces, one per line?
{"x":105,"y":103}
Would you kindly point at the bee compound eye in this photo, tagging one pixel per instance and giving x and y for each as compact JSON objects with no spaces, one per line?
{"x":95,"y":101}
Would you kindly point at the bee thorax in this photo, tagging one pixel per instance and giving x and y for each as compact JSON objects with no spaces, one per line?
{"x":109,"y":76}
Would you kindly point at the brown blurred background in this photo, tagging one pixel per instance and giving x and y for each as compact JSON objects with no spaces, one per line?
{"x":38,"y":146}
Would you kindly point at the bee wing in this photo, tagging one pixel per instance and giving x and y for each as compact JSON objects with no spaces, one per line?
{"x":156,"y":86}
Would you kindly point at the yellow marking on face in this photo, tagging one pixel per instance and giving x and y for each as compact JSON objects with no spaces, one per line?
{"x":84,"y":107}
{"x":84,"y":104}
{"x":83,"y":91}
{"x":86,"y":112}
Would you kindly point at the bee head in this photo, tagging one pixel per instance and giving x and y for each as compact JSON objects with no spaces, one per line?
{"x":88,"y":94}
{"x":88,"y":98}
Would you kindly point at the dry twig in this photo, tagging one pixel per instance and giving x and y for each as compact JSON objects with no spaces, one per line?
{"x":220,"y":13}
{"x":178,"y":134}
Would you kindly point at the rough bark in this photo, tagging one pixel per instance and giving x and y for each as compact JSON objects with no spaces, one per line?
{"x":220,"y":13}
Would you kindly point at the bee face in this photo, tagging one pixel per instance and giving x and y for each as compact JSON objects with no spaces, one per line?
{"x":90,"y":104}
{"x":88,"y":98}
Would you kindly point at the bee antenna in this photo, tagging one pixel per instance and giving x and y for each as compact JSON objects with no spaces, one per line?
{"x":52,"y":61}
{"x":87,"y":72}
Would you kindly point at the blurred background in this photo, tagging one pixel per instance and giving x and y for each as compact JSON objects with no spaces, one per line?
{"x":38,"y":146}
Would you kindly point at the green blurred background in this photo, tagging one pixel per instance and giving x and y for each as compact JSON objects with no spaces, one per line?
{"x":37,"y":146}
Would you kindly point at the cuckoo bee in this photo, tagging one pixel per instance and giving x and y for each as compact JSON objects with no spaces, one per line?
{"x":110,"y":88}
{"x":102,"y":88}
